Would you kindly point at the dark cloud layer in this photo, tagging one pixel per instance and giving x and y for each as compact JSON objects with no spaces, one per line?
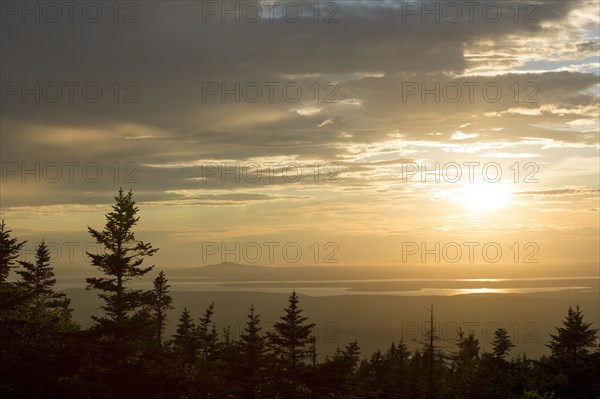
{"x":370,"y":56}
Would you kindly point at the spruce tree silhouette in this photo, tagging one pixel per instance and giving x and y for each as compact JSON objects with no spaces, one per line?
{"x":38,"y":282}
{"x":120,"y":262}
{"x":161,"y":303}
{"x":123,"y":332}
{"x":9,"y":251}
{"x":291,"y":338}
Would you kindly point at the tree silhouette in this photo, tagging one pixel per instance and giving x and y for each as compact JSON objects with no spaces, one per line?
{"x":37,"y":280}
{"x":123,"y":334}
{"x":121,"y":261}
{"x":161,"y":302}
{"x":574,"y":340}
{"x":290,"y":338}
{"x":432,"y":354}
{"x":207,"y":333}
{"x":208,"y":343}
{"x":9,"y":251}
{"x":571,"y":358}
{"x":184,"y":341}
{"x":336,"y":375}
{"x":10,"y":295}
{"x":252,"y":356}
{"x":465,"y":365}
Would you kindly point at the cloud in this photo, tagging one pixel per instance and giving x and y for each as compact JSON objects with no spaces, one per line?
{"x":355,"y":113}
{"x":509,"y":155}
{"x":558,"y":192}
{"x":463,"y":136}
{"x":326,"y":122}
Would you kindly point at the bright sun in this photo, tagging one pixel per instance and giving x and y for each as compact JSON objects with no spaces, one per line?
{"x":484,"y":197}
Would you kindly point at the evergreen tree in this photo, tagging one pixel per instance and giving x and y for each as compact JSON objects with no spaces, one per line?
{"x":124,"y":333}
{"x":337,"y":375}
{"x":572,"y":360}
{"x":465,"y":364}
{"x":121,"y":261}
{"x":207,"y":334}
{"x":494,"y":374}
{"x":9,"y":251}
{"x":208,"y":362}
{"x":184,"y":341}
{"x":37,"y":280}
{"x":161,"y":303}
{"x":376,"y":374}
{"x":290,"y":339}
{"x":395,"y":384}
{"x":502,"y":343}
{"x":252,"y":357}
{"x":574,"y":340}
{"x":10,"y":296}
{"x":418,"y":372}
{"x":351,"y":356}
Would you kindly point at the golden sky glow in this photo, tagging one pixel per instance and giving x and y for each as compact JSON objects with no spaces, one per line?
{"x":379,"y":150}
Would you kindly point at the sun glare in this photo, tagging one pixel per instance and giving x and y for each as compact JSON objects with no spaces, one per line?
{"x":484,"y":197}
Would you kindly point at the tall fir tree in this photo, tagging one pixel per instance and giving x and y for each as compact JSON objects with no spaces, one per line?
{"x":37,"y":280}
{"x":464,"y":368}
{"x":120,"y":262}
{"x":291,"y":339}
{"x":207,"y":333}
{"x":252,"y":351}
{"x":185,"y":343}
{"x":501,"y":344}
{"x":161,"y":303}
{"x":124,"y":332}
{"x":573,"y":341}
{"x":572,"y":359}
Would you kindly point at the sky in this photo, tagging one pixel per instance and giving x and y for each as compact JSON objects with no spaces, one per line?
{"x":301,"y":133}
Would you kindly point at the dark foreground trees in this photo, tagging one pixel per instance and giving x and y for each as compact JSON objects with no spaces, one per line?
{"x":126,"y":353}
{"x":35,"y":325}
